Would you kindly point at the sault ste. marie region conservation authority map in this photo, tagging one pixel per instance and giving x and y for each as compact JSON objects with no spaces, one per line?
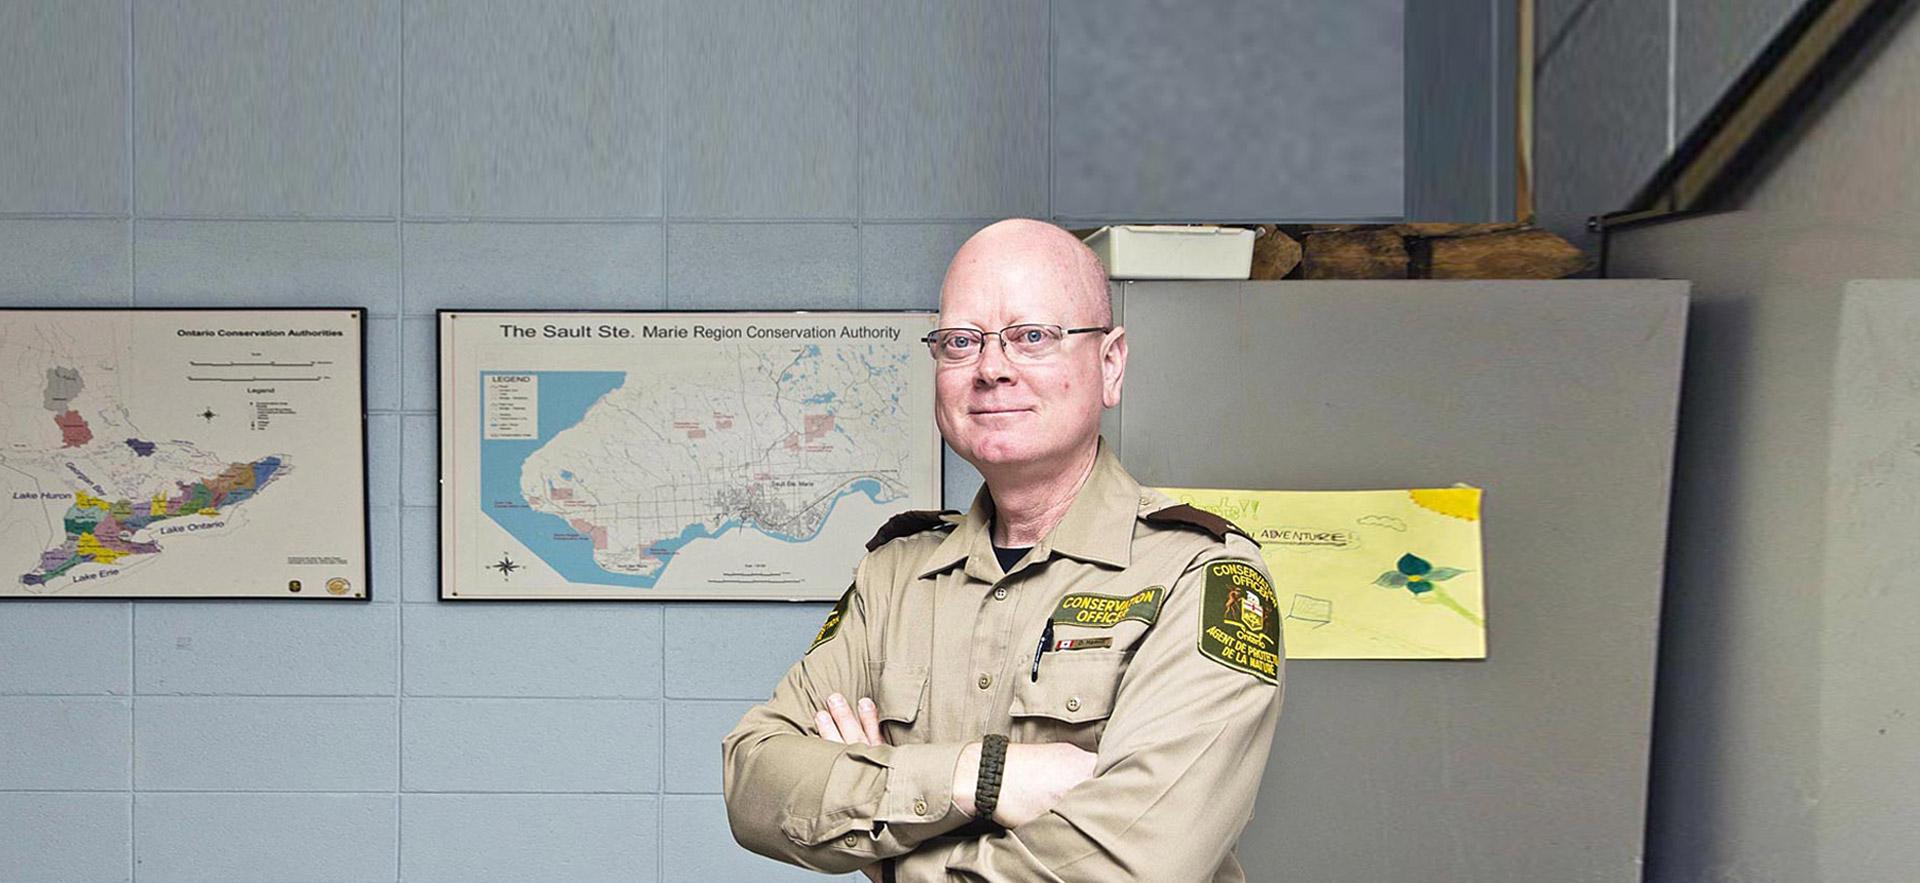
{"x":182,"y":453}
{"x":677,"y":455}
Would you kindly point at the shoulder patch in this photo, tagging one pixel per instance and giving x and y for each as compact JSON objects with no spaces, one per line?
{"x":907,"y":524}
{"x":1184,"y":515}
{"x":1239,"y":620}
{"x":832,"y":626}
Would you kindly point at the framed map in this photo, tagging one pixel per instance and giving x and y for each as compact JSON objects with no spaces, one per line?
{"x":677,"y":455}
{"x":183,"y":453}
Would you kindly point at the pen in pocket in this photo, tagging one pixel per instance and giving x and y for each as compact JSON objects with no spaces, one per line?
{"x":1046,"y":638}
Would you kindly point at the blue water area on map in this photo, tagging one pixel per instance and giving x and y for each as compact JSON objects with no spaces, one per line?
{"x":565,"y":397}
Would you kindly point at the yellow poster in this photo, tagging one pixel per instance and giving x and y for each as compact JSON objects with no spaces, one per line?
{"x":1367,"y":574}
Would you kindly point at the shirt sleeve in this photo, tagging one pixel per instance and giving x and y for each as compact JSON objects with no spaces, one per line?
{"x":797,"y":798}
{"x":1181,"y":759}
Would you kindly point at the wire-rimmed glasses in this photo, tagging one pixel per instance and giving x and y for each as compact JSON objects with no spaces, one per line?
{"x":1028,"y":341}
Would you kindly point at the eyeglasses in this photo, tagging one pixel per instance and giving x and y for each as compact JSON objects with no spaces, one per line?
{"x":957,"y":346}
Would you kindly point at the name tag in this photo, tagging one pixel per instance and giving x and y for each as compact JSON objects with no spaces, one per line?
{"x":1082,"y":643}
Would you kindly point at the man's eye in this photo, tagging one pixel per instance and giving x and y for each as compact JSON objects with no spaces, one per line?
{"x":959,"y":342}
{"x":1034,"y":335}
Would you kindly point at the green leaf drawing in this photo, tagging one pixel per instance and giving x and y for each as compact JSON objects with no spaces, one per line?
{"x":1456,"y":607}
{"x":1440,"y":573}
{"x":1392,"y":579}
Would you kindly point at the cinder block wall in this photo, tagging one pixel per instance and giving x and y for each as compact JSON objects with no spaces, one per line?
{"x":406,"y":155}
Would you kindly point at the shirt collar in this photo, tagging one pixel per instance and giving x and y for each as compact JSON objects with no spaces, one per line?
{"x":1097,"y":528}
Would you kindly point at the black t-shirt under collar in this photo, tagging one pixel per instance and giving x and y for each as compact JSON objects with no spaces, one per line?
{"x":1010,"y":557}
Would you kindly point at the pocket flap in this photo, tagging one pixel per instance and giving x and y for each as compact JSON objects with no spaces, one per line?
{"x":1075,"y":686}
{"x":899,"y":692}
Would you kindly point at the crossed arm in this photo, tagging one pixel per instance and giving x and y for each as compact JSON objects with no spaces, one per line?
{"x":1168,"y":793}
{"x":811,"y":780}
{"x":1037,"y":775}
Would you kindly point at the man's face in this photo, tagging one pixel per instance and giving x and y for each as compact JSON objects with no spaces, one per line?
{"x":1010,"y":410}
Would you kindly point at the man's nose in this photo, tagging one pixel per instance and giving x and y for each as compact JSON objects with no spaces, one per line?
{"x":992,"y":365}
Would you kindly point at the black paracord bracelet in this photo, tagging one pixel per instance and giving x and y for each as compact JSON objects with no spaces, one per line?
{"x":993,"y":761}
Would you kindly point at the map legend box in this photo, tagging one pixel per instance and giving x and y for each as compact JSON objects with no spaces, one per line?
{"x":512,"y":406}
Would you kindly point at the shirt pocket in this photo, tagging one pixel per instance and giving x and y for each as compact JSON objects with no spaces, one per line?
{"x":1071,"y":699}
{"x":899,"y":695}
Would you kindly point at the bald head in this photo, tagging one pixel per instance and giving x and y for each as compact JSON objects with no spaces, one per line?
{"x":1039,"y":258}
{"x":1026,"y":420}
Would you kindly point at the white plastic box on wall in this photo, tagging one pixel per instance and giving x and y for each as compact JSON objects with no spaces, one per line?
{"x":1169,"y":251}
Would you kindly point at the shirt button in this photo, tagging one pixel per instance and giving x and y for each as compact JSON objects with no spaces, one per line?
{"x":919,"y":806}
{"x":1000,"y":593}
{"x":849,"y":841}
{"x":986,"y":680}
{"x":1073,"y":703}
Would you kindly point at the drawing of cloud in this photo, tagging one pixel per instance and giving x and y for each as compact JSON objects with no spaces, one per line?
{"x":1386,"y":521}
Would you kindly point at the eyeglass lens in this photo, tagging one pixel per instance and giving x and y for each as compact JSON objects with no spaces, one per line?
{"x":964,"y":344}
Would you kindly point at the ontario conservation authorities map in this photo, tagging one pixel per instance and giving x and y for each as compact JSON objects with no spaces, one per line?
{"x":182,"y":453}
{"x":677,"y":455}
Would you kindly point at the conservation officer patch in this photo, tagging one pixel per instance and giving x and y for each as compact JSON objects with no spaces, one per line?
{"x":832,"y":626}
{"x":1239,"y":623}
{"x":1102,"y":611}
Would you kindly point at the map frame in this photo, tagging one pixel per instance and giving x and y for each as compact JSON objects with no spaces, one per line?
{"x":448,"y":577}
{"x":361,"y":588}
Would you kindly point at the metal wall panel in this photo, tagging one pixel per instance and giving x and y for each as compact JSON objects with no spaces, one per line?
{"x":1559,"y":399}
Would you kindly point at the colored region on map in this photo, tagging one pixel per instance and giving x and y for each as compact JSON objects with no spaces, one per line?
{"x":104,"y":532}
{"x":74,"y":431}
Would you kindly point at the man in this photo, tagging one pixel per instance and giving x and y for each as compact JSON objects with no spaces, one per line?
{"x":1071,"y":611}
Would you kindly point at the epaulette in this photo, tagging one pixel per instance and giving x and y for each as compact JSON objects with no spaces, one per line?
{"x":909,"y":523}
{"x":1184,"y":515}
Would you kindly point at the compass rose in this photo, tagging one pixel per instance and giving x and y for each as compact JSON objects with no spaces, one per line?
{"x":505,"y":565}
{"x":207,"y":415}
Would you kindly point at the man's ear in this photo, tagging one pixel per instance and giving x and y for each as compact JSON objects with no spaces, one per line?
{"x":1113,"y":366}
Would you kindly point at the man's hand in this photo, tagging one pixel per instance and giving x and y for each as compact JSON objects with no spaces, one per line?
{"x":1035,"y":777}
{"x":838,"y":722}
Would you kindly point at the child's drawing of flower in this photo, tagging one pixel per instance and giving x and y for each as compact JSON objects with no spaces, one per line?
{"x":1418,"y":576}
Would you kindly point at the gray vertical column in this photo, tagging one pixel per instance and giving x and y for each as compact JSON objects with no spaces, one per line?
{"x":1460,"y":110}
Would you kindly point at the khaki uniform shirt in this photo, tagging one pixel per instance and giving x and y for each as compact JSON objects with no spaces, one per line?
{"x":1165,"y":661}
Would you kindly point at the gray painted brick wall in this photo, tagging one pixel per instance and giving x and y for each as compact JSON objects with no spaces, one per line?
{"x":1619,"y":84}
{"x":407,"y":155}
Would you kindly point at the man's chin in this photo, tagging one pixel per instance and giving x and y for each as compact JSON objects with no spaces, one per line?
{"x":991,"y":452}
